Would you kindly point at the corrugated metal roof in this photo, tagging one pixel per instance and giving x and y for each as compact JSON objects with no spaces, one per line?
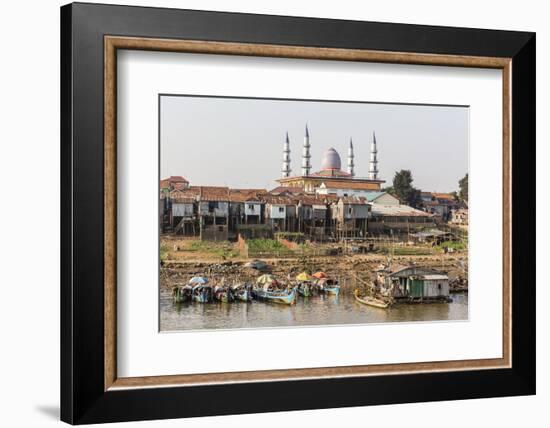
{"x":397,"y":210}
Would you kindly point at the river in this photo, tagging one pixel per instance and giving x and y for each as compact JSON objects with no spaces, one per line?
{"x":319,"y":310}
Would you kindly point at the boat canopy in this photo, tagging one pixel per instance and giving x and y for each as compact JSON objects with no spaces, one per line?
{"x":303,"y":277}
{"x":198,"y":280}
{"x":320,"y":275}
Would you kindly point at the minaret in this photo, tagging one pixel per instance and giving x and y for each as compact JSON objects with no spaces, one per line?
{"x":285,"y":170}
{"x":373,"y":165}
{"x":306,"y":156}
{"x":351,"y":156}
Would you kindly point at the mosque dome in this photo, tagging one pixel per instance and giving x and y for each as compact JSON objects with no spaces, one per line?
{"x":331,"y":160}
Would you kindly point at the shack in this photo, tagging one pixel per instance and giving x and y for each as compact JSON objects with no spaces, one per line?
{"x":349,"y":217}
{"x":412,"y":283}
{"x":213,"y":213}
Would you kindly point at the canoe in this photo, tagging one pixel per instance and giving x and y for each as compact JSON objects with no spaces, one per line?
{"x":329,"y":286}
{"x":284,"y":297}
{"x":371,"y":301}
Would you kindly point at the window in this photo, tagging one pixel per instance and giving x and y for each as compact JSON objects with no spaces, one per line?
{"x":281,"y":209}
{"x":349,"y":210}
{"x":251,"y":207}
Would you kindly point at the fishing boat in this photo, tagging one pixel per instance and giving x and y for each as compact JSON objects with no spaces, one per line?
{"x":270,"y":290}
{"x":223,"y":294}
{"x":325,"y":284}
{"x":284,"y":297}
{"x":305,"y":285}
{"x":242,"y":292}
{"x":202,"y":290}
{"x":371,"y":301}
{"x":182,"y":293}
{"x":329,"y":286}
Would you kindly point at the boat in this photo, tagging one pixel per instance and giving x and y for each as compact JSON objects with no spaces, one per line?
{"x":202,"y":290}
{"x":306,"y":285}
{"x":284,"y":297}
{"x":267,"y":288}
{"x":223,"y":294}
{"x":371,"y":301}
{"x":182,"y":293}
{"x":242,"y":292}
{"x":329,"y":286}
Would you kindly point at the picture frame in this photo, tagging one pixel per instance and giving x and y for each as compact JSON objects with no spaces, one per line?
{"x":91,"y":391}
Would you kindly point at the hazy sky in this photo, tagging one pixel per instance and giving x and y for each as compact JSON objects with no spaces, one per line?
{"x":238,"y":142}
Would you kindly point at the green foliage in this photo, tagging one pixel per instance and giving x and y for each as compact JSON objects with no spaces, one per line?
{"x":456,"y":245}
{"x":463,"y":188}
{"x":403,"y":188}
{"x":221,"y":249}
{"x":266,"y":245}
{"x":290,"y":236}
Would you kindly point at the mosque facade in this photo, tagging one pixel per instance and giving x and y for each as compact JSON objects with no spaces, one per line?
{"x":331,"y":179}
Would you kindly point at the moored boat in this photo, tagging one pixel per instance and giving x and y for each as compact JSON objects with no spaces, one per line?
{"x":223,"y":294}
{"x":202,"y":290}
{"x":326,"y":284}
{"x":267,"y":288}
{"x":284,"y":297}
{"x":182,"y":293}
{"x":371,"y":301}
{"x":242,"y":292}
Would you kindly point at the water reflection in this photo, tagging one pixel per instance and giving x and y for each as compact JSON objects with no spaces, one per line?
{"x":319,"y":310}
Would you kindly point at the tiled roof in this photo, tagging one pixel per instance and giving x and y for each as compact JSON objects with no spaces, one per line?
{"x":279,"y":200}
{"x":287,"y":189}
{"x":174,"y":181}
{"x":246,"y":195}
{"x":212,"y":193}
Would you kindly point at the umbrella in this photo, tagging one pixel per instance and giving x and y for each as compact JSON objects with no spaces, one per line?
{"x":320,"y":275}
{"x":303,"y":277}
{"x":198,"y":280}
{"x":265,"y":279}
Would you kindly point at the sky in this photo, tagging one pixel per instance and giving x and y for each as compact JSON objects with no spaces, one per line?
{"x":238,"y":142}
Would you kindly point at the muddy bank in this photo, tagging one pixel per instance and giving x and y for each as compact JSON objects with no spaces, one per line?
{"x":351,"y":270}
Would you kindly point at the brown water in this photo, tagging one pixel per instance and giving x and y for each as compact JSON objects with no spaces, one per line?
{"x":319,"y":310}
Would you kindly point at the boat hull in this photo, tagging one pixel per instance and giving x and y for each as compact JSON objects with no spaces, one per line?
{"x":276,"y":297}
{"x":335,"y":291}
{"x":375,"y":303}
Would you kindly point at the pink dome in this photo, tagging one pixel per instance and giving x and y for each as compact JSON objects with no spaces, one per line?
{"x":331,"y":160}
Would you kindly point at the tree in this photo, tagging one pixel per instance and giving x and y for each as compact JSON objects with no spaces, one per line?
{"x":463,"y":188}
{"x":403,"y":188}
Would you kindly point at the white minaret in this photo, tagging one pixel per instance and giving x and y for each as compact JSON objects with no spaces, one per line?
{"x":306,"y":156}
{"x":285,"y":170}
{"x":351,"y":156}
{"x":373,"y":165}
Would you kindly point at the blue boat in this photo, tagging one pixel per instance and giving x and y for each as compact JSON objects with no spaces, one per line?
{"x":283,"y":297}
{"x":329,"y":286}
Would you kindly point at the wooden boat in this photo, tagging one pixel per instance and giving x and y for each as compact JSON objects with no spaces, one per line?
{"x":371,"y":301}
{"x":203,"y":293}
{"x":305,"y":289}
{"x":242,"y":292}
{"x":223,"y":294}
{"x":182,"y":293}
{"x":329,"y":286}
{"x":283,"y":297}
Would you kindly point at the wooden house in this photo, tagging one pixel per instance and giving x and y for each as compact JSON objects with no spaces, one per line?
{"x":412,"y":282}
{"x":349,"y":217}
{"x":213,"y":212}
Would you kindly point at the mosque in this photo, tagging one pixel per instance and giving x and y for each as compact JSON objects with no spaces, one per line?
{"x":330,"y":179}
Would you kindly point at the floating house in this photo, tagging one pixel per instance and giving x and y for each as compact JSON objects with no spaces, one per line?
{"x":413,"y":283}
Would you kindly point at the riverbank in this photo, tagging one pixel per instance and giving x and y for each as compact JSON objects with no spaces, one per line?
{"x":351,"y":270}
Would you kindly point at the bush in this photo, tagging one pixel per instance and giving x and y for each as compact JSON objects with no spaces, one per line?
{"x":290,"y":236}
